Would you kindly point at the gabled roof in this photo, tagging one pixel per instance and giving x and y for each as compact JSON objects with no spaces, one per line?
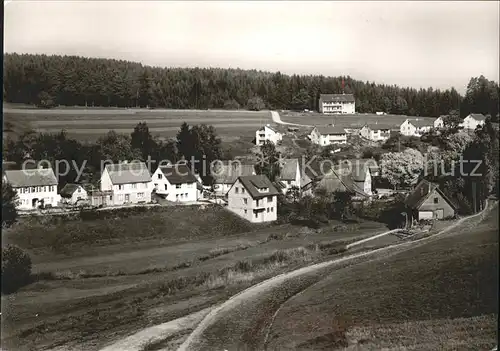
{"x":379,"y":126}
{"x":31,"y":177}
{"x":123,"y":173}
{"x":419,"y":122}
{"x":336,"y":180}
{"x":178,"y":174}
{"x":337,"y":97}
{"x":69,"y":189}
{"x":289,"y":169}
{"x":331,"y":130}
{"x":268,"y":126}
{"x":357,"y":168}
{"x":226,"y":172}
{"x":421,"y":192}
{"x":254,"y":182}
{"x":477,"y":116}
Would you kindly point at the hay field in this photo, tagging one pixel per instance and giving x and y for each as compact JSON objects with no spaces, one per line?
{"x":89,"y":124}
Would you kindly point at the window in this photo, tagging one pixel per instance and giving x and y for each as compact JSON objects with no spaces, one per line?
{"x":120,"y":197}
{"x":145,"y":185}
{"x":165,"y":186}
{"x":177,"y":197}
{"x":236,"y":190}
{"x":32,"y":189}
{"x":185,"y":195}
{"x":256,"y":215}
{"x":79,"y":190}
{"x":269,"y":199}
{"x":268,"y":210}
{"x":245,"y":201}
{"x":120,"y":187}
{"x":289,"y":182}
{"x":134,"y":186}
{"x":242,"y":190}
{"x":436,"y":200}
{"x":245,"y":211}
{"x":272,"y":209}
{"x":140,"y":195}
{"x":178,"y":186}
{"x":160,"y":175}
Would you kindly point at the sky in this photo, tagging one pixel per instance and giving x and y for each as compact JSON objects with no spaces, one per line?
{"x":417,"y":44}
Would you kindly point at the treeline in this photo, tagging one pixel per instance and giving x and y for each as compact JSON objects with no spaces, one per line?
{"x":70,"y":80}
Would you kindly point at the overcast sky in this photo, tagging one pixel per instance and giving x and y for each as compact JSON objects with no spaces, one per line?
{"x":419,"y":44}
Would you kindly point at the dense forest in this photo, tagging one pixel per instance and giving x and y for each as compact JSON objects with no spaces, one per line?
{"x":48,"y":81}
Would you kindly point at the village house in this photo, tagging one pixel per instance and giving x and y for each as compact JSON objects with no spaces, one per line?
{"x":130,"y":183}
{"x":428,"y":202}
{"x":73,"y":194}
{"x":439,"y":122}
{"x":291,"y":176}
{"x":472,"y":121}
{"x":361,"y":171}
{"x":415,"y":127}
{"x":328,"y":135}
{"x":34,"y":187}
{"x":376,"y":132}
{"x":176,"y":183}
{"x":225,"y":174}
{"x":253,"y":198}
{"x":337,"y":104}
{"x":340,"y":180}
{"x":267,"y":133}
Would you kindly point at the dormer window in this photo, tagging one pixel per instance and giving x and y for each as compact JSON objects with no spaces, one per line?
{"x":263,"y":190}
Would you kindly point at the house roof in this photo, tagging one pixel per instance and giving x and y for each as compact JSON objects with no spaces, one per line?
{"x":419,"y":122}
{"x":178,"y":174}
{"x":337,"y":97}
{"x":30,"y":177}
{"x":123,"y":173}
{"x":69,"y":189}
{"x":337,"y":180}
{"x":270,"y":127}
{"x":357,"y":168}
{"x":379,"y":126}
{"x":254,"y":182}
{"x":477,"y":116}
{"x":421,"y":192}
{"x":226,"y":172}
{"x":289,"y":169}
{"x":329,"y":130}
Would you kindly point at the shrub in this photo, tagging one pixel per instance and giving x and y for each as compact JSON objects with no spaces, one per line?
{"x":16,"y":268}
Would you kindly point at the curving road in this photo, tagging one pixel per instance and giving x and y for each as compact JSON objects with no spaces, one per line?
{"x":243,"y":322}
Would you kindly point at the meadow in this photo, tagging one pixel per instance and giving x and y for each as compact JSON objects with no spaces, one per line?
{"x":89,"y":124}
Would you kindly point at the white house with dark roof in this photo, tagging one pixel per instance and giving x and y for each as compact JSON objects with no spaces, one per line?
{"x":225,"y":174}
{"x":34,"y":187}
{"x":73,"y":194}
{"x":291,"y":176}
{"x":267,"y":133}
{"x":253,"y":198}
{"x":337,"y":104}
{"x":376,"y":131}
{"x":176,"y":183}
{"x":429,"y":202}
{"x":473,"y":120}
{"x":328,"y":135}
{"x":130,"y":183}
{"x":439,"y":122}
{"x":415,"y":127}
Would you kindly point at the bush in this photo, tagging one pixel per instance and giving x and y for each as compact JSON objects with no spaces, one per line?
{"x":16,"y":268}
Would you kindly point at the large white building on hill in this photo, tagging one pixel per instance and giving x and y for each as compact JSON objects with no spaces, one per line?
{"x":337,"y":104}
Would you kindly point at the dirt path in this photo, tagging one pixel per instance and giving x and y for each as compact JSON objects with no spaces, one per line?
{"x":245,"y":307}
{"x":277,"y":119}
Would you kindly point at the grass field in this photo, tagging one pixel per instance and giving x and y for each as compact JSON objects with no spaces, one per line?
{"x":100,"y":280}
{"x":442,"y":295}
{"x":89,"y":124}
{"x":353,"y":121}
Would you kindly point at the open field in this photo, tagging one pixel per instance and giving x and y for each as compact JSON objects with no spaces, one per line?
{"x":442,"y":295}
{"x":89,"y":124}
{"x":101,"y":280}
{"x":353,"y":121}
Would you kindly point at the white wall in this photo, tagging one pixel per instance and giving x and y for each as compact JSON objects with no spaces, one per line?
{"x":439,"y":123}
{"x":470,"y":123}
{"x":291,"y":183}
{"x":329,"y":139}
{"x":186,"y":192}
{"x":266,"y":210}
{"x":26,"y":196}
{"x":338,"y":107}
{"x":79,"y":195}
{"x":261,"y":136}
{"x":407,"y":128}
{"x":126,"y":193}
